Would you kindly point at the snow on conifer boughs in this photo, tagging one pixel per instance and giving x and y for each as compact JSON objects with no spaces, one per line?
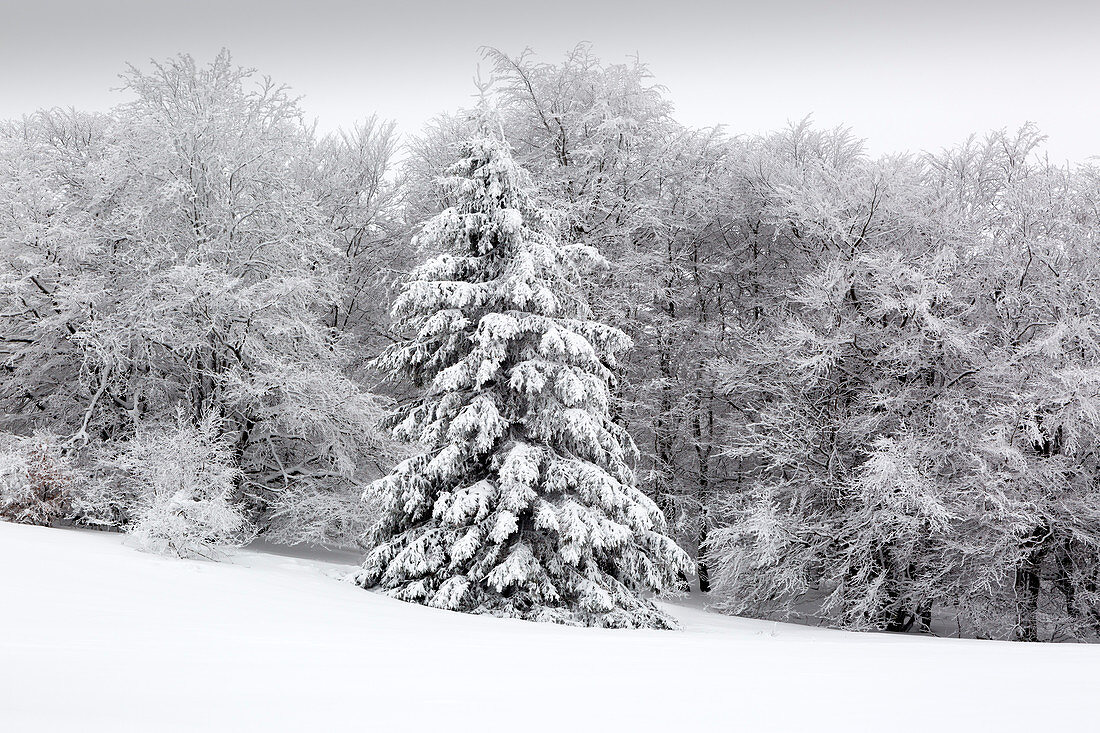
{"x":523,"y":503}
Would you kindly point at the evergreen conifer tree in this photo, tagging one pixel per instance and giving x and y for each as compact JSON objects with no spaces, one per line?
{"x":522,"y":503}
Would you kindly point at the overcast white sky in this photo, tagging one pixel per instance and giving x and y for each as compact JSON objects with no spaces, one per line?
{"x":910,"y":76}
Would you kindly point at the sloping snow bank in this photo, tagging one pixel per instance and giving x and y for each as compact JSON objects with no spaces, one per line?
{"x":99,"y":636}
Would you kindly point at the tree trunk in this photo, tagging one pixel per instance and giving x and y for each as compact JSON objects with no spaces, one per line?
{"x":702,"y":568}
{"x":1027,"y":586}
{"x":702,"y":453}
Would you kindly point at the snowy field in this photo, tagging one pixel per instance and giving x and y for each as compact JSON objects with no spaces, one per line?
{"x":100,"y":636}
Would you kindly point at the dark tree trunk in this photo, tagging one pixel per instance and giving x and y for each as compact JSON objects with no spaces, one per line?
{"x":1027,"y":604}
{"x":703,"y":568}
{"x":702,"y":453}
{"x":1028,"y":585}
{"x":925,"y":619}
{"x":1064,"y":580}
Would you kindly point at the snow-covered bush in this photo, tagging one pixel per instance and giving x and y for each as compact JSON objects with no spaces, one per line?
{"x":104,"y":499}
{"x":185,"y":479}
{"x":322,"y":515}
{"x":36,"y":480}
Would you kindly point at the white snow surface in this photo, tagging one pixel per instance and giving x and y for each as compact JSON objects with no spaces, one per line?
{"x":99,"y":636}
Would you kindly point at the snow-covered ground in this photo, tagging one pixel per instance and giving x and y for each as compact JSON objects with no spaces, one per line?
{"x":99,"y":636}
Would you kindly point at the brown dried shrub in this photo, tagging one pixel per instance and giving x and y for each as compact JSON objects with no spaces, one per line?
{"x":36,"y":482}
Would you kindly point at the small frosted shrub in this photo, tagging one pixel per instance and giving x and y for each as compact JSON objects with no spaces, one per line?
{"x":36,"y":480}
{"x":186,"y":480}
{"x":333,"y":514}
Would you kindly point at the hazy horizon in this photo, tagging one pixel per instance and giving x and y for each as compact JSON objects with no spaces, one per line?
{"x":904,"y":78}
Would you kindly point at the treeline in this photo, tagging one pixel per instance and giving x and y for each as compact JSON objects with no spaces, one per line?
{"x":864,"y":391}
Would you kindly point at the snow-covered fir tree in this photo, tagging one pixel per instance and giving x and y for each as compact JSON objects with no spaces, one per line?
{"x":522,"y":503}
